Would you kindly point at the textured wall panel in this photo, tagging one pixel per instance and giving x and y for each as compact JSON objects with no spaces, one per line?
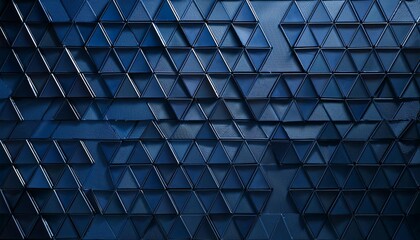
{"x":205,"y":119}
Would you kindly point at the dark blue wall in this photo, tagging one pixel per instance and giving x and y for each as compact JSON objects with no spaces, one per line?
{"x":209,"y":119}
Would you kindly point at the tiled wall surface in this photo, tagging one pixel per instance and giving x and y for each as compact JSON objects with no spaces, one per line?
{"x":205,"y":119}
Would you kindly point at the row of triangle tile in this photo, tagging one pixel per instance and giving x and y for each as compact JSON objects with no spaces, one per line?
{"x":147,"y":119}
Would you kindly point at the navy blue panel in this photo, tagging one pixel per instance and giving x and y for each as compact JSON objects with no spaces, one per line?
{"x":209,"y":119}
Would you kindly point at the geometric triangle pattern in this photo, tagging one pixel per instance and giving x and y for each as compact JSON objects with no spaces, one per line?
{"x":342,"y":186}
{"x":221,"y":119}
